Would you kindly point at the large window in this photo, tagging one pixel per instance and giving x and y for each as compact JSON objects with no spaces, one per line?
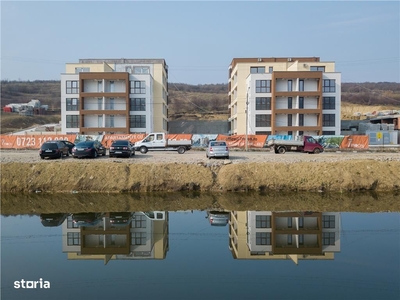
{"x":138,"y":121}
{"x":73,"y":238}
{"x":263,"y":238}
{"x":255,"y":70}
{"x":328,"y":132}
{"x":301,"y":120}
{"x":263,"y":103}
{"x":328,"y":221}
{"x":329,"y":86}
{"x":138,"y":104}
{"x":328,"y":238}
{"x":263,"y":221}
{"x":301,"y":102}
{"x":72,"y":121}
{"x":263,"y":86}
{"x":141,"y":70}
{"x":301,"y":85}
{"x":270,"y":69}
{"x":290,"y":102}
{"x":263,"y":120}
{"x":72,"y":104}
{"x":328,"y":120}
{"x":140,"y":221}
{"x":72,"y":87}
{"x":138,"y":87}
{"x":328,"y":103}
{"x":138,"y":238}
{"x":290,"y":85}
{"x":289,"y":120}
{"x":317,"y":68}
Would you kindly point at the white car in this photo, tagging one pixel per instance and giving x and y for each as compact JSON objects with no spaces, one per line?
{"x":217,"y":149}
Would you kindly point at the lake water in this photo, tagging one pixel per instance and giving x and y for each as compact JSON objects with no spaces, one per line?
{"x":184,"y":255}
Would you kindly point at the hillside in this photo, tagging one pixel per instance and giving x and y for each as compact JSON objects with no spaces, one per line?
{"x":207,"y":101}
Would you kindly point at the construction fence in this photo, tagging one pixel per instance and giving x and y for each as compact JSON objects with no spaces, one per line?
{"x":198,"y":140}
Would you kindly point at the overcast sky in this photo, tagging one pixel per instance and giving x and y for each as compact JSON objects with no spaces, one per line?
{"x":199,"y":39}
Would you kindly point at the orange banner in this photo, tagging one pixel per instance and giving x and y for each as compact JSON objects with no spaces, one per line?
{"x":239,"y":141}
{"x":109,"y":138}
{"x":355,"y":141}
{"x":179,"y":137}
{"x":31,"y":141}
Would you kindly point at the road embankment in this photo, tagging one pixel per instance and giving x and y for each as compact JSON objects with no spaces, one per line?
{"x":120,"y":176}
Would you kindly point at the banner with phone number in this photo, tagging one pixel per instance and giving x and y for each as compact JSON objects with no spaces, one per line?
{"x":31,"y":141}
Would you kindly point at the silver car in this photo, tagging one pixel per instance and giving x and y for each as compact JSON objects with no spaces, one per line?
{"x":217,"y":149}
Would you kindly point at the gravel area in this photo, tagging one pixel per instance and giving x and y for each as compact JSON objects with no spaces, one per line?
{"x":198,"y":156}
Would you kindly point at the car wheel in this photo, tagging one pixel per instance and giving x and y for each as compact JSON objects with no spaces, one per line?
{"x":94,"y":154}
{"x":181,"y":150}
{"x":227,"y":157}
{"x":281,"y":150}
{"x":316,"y":151}
{"x":143,"y":150}
{"x":42,"y":157}
{"x":61,"y":155}
{"x":67,"y":153}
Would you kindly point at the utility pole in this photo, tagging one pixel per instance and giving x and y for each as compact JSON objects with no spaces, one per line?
{"x":247,"y":118}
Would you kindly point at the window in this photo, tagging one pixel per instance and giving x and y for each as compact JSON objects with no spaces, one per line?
{"x":289,"y":120}
{"x":270,"y":69}
{"x":73,"y":238}
{"x":301,"y":102}
{"x":301,"y":120}
{"x":100,"y":121}
{"x":78,"y":70}
{"x":328,"y":221}
{"x":328,"y":120}
{"x":112,"y":86}
{"x":263,"y":103}
{"x":301,"y":132}
{"x":138,"y":87}
{"x":289,"y":239}
{"x":328,"y":103}
{"x":72,"y":104}
{"x":290,"y":102}
{"x":99,"y":86}
{"x":263,"y":120}
{"x":317,"y":68}
{"x":72,"y":87}
{"x":328,"y":238}
{"x":263,"y":86}
{"x":301,"y":85}
{"x":140,"y":221}
{"x":289,"y":85}
{"x":328,"y":132}
{"x":301,"y":222}
{"x":263,"y":132}
{"x":138,"y":104}
{"x":141,"y":70}
{"x":138,"y":238}
{"x":329,"y":86}
{"x":290,"y":133}
{"x":99,"y":103}
{"x":263,"y":221}
{"x":72,"y":121}
{"x":301,"y":239}
{"x":255,"y":70}
{"x":111,"y":123}
{"x":70,"y":223}
{"x":289,"y":222}
{"x":111,"y":104}
{"x":138,"y":121}
{"x":263,"y":238}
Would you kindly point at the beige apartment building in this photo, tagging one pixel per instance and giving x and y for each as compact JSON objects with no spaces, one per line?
{"x":284,"y":96}
{"x":100,"y":96}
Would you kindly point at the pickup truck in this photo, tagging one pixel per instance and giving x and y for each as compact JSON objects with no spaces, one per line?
{"x":157,"y":141}
{"x":303,"y":144}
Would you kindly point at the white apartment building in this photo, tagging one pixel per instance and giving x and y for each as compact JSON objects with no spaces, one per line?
{"x":285,"y":96}
{"x":100,"y":96}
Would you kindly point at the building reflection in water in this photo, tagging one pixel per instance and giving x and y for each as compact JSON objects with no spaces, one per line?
{"x":252,"y":235}
{"x":141,"y":235}
{"x":284,"y":235}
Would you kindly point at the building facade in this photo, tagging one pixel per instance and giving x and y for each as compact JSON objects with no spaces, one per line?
{"x":284,"y":96}
{"x":100,"y":96}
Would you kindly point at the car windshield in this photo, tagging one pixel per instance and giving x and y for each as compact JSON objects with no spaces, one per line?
{"x":218,"y":144}
{"x":85,"y":144}
{"x":116,"y":143}
{"x":49,"y":146}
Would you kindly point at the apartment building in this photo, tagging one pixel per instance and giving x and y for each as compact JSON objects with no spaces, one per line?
{"x":284,"y":96}
{"x":284,"y":235}
{"x":102,"y":96}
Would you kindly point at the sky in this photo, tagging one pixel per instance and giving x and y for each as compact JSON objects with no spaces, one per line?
{"x":199,"y":39}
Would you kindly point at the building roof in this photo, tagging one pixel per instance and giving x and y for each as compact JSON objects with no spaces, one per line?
{"x":273,"y":59}
{"x":122,"y":61}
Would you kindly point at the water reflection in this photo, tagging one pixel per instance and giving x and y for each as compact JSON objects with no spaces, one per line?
{"x":259,"y":235}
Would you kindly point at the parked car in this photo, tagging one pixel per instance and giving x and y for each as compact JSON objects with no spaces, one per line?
{"x":217,"y":149}
{"x":52,"y":220}
{"x":122,"y":148}
{"x":87,"y":219}
{"x":69,"y":145}
{"x":120,"y":218}
{"x":53,"y":149}
{"x":218,"y":218}
{"x":88,"y":149}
